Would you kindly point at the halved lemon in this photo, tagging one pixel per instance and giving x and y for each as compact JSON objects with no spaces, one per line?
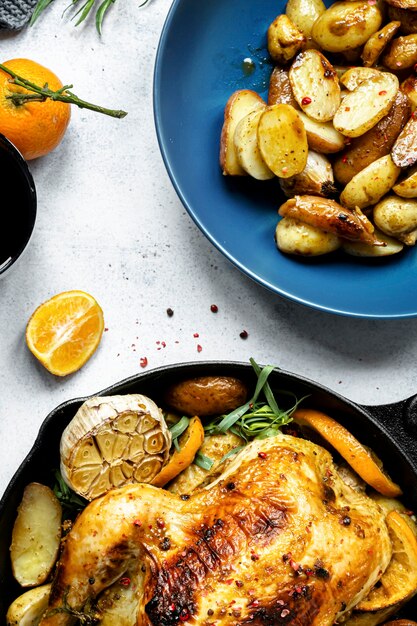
{"x":64,"y":332}
{"x":354,"y":453}
{"x":399,"y":581}
{"x":189,"y":442}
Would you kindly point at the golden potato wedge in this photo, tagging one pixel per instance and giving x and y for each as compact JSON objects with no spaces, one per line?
{"x":280,"y":91}
{"x":28,"y":608}
{"x":206,"y":395}
{"x":357,"y":248}
{"x":282,"y":140}
{"x":346,"y":25}
{"x":315,"y":179}
{"x":303,"y":13}
{"x":354,"y":76}
{"x":240,"y":103}
{"x":397,"y":217}
{"x":363,"y":107}
{"x":374,"y":144}
{"x":407,"y":18}
{"x":401,"y":53}
{"x":409,"y":88}
{"x":315,"y":85}
{"x":403,"y":4}
{"x":247,"y":149}
{"x":36,"y":535}
{"x":407,"y":187}
{"x":331,"y":217}
{"x":295,"y":237}
{"x":404,"y":150}
{"x":285,"y":40}
{"x":369,"y":185}
{"x":322,"y":136}
{"x":377,"y":43}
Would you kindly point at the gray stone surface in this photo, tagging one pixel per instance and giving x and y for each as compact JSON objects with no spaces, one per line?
{"x":110,"y":223}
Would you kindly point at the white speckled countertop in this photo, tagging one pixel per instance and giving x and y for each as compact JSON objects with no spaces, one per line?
{"x":109,"y":222}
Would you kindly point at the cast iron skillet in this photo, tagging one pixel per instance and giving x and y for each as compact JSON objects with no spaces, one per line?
{"x":389,"y":430}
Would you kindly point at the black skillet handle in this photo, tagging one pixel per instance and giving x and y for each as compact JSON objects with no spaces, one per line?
{"x":400,"y":420}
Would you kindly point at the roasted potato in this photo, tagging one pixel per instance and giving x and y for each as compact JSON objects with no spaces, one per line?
{"x":407,"y":187}
{"x":346,"y":25}
{"x":409,"y":88}
{"x":369,"y":185}
{"x":284,"y":39}
{"x":303,"y":13}
{"x":403,"y":4}
{"x":36,"y":535}
{"x":401,"y":53}
{"x":206,"y":395}
{"x":240,"y":103}
{"x":316,"y":178}
{"x":404,"y":150}
{"x":247,"y":148}
{"x":299,"y":238}
{"x":280,"y":91}
{"x":357,"y":248}
{"x":282,"y":140}
{"x":28,"y":608}
{"x":363,"y":107}
{"x":374,"y":144}
{"x":315,"y":85}
{"x":401,"y":622}
{"x":322,"y":136}
{"x":397,"y":217}
{"x":354,"y":76}
{"x":374,"y":618}
{"x":407,"y":18}
{"x":377,"y":43}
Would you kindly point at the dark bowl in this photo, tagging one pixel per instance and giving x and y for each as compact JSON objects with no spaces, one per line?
{"x":389,"y":430}
{"x":18,"y":205}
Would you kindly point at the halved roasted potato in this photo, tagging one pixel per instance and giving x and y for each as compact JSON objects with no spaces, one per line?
{"x":401,"y":53}
{"x":322,"y":136}
{"x":315,"y":85}
{"x":284,"y":39}
{"x":280,"y":91}
{"x":36,"y":535}
{"x":357,"y":248}
{"x":28,"y":608}
{"x":366,"y":105}
{"x":346,"y":25}
{"x":407,"y":18}
{"x":369,"y":185}
{"x":374,"y":144}
{"x":282,"y":140}
{"x":377,"y":43}
{"x":397,"y":217}
{"x":303,"y":13}
{"x":354,"y":76}
{"x":239,"y":104}
{"x":299,"y":238}
{"x":409,"y":88}
{"x":407,"y":187}
{"x":206,"y":395}
{"x":247,"y":148}
{"x":404,"y":150}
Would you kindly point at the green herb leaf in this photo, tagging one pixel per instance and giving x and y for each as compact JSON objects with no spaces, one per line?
{"x":203,"y":461}
{"x":41,"y":6}
{"x":71,"y":503}
{"x":101,"y":12}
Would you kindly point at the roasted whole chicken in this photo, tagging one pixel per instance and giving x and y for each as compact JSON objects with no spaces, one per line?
{"x":278,"y":538}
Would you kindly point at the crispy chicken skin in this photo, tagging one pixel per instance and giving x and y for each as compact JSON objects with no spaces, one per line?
{"x":278,"y":538}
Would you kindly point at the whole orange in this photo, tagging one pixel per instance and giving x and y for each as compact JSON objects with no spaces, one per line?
{"x":34,"y":127}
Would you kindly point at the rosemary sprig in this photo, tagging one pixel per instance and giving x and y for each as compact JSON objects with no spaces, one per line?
{"x":70,"y":502}
{"x":40,"y":94}
{"x":88,"y":616}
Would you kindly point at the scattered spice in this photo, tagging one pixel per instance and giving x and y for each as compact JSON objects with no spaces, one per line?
{"x":262,"y":455}
{"x":137,"y":523}
{"x":170,"y":312}
{"x":125,"y":581}
{"x":214,"y":308}
{"x":143,"y":361}
{"x":382,"y":93}
{"x":199,"y":348}
{"x":306,"y":100}
{"x":244,"y":334}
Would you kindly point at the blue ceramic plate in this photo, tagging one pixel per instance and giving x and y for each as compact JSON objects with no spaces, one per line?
{"x":198,"y":66}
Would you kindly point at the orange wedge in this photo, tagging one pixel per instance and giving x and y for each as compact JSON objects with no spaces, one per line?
{"x":359,"y":458}
{"x":65,"y":331}
{"x":189,"y":442}
{"x":399,"y":581}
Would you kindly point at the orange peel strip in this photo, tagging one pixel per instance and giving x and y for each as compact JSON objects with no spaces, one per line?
{"x":354,"y":453}
{"x":189,"y":442}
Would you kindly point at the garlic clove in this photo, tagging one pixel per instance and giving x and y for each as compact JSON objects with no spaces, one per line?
{"x":315,"y":179}
{"x":112,"y":441}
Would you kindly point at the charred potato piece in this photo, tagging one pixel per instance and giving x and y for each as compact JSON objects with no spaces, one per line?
{"x":407,"y":187}
{"x":363,"y":107}
{"x":284,"y":39}
{"x":346,"y":25}
{"x":206,"y":395}
{"x":374,"y":144}
{"x":322,"y":136}
{"x":401,"y":53}
{"x":36,"y":535}
{"x":315,"y":85}
{"x":404,"y":150}
{"x":369,"y":185}
{"x":299,"y":238}
{"x":282,"y":140}
{"x":407,"y":18}
{"x":409,"y":88}
{"x":354,"y":76}
{"x":397,"y":217}
{"x":280,"y":91}
{"x":377,"y":43}
{"x":247,"y":148}
{"x":239,"y":104}
{"x":303,"y":13}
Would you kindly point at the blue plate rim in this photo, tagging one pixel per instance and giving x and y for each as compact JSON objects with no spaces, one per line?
{"x":177,"y":186}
